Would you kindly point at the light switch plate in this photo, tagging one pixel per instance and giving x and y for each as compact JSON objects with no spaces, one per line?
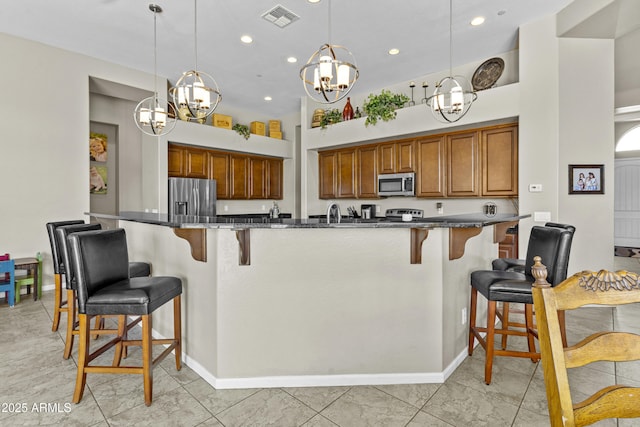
{"x":535,"y":188}
{"x":542,"y":216}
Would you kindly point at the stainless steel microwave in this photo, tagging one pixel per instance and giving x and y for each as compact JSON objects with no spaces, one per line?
{"x":397,"y":184}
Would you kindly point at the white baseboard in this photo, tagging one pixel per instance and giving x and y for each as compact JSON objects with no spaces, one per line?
{"x":320,"y":380}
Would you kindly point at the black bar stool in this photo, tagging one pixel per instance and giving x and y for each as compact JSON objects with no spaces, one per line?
{"x":100,"y":262}
{"x":553,"y":246}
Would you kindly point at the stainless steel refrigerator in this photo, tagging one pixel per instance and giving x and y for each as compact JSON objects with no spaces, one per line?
{"x":192,"y":196}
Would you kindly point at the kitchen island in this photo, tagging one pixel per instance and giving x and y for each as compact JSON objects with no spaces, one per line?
{"x":318,"y":303}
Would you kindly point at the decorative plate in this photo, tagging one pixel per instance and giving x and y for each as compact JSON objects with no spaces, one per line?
{"x":487,"y":74}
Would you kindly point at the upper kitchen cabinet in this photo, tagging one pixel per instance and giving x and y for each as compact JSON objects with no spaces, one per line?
{"x":346,"y":172}
{"x":195,"y":163}
{"x":463,"y":162}
{"x":367,"y":172}
{"x":175,"y":161}
{"x":327,"y":174}
{"x":396,"y":157}
{"x":239,"y":182}
{"x":431,"y":157}
{"x":219,"y":170}
{"x":500,"y":161}
{"x":237,"y":175}
{"x":274,"y":179}
{"x":257,"y":178}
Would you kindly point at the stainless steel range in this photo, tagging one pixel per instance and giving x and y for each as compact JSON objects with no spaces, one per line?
{"x":399,"y":212}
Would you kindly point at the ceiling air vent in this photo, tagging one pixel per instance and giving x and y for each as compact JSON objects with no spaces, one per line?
{"x":280,"y":16}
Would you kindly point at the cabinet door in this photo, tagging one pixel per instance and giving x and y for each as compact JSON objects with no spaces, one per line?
{"x":196,"y":163}
{"x":175,"y":161}
{"x":219,"y":170}
{"x":405,"y":156}
{"x":257,"y":178}
{"x":500,"y":161}
{"x":431,"y":171}
{"x":239,"y":176}
{"x":508,"y":248}
{"x":274,"y":184}
{"x":462,"y":165}
{"x":327,"y":174}
{"x":387,"y":158}
{"x":367,"y":173}
{"x":346,"y":173}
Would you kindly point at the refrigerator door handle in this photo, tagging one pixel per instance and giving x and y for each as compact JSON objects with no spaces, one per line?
{"x":196,"y":200}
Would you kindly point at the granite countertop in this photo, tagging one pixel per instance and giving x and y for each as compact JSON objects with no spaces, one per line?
{"x":263,"y":221}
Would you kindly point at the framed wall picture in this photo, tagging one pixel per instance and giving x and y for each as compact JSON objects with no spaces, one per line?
{"x":97,"y":147}
{"x":586,"y":179}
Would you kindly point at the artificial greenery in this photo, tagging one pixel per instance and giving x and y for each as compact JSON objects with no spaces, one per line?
{"x":242,"y":130}
{"x":383,"y":106}
{"x":330,"y":117}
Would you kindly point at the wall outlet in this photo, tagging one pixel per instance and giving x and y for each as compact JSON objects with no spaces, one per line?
{"x":225,"y":208}
{"x":464,"y":316}
{"x":264,"y":207}
{"x":440,"y":208}
{"x":542,"y":216}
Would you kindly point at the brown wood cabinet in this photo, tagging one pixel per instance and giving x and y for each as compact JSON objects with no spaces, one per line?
{"x":346,"y":173}
{"x":196,"y":164}
{"x":431,"y":156}
{"x":367,"y":172}
{"x":508,"y":248}
{"x":500,"y":161}
{"x":238,"y":176}
{"x":396,"y":157}
{"x":274,"y":180}
{"x":239,"y":183}
{"x":257,"y":178}
{"x":471,"y":163}
{"x":219,"y":170}
{"x":462,"y":164}
{"x":175,"y":161}
{"x":327,"y":174}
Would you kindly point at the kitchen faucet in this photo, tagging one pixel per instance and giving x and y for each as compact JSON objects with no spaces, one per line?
{"x":333,"y":210}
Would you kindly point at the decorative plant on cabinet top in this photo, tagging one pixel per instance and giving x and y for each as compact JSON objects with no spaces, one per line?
{"x":383,"y":106}
{"x":242,"y":130}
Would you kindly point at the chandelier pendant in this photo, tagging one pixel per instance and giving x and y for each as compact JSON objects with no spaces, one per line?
{"x":196,"y":93}
{"x":328,"y":78}
{"x":154,"y":115}
{"x":453,"y":95}
{"x":330,"y":73}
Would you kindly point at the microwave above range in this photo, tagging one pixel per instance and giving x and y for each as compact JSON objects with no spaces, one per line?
{"x":397,"y":184}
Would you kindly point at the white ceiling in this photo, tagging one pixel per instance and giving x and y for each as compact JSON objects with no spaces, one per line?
{"x":121,"y":31}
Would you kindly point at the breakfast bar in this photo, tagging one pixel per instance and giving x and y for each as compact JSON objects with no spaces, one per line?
{"x":300,"y":302}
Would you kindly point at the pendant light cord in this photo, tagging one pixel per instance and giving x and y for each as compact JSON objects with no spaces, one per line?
{"x":451,"y":38}
{"x":195,"y":31}
{"x":329,"y":21}
{"x":155,"y":55}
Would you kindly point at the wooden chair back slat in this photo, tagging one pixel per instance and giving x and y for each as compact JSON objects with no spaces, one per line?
{"x":585,"y":288}
{"x":610,"y":402}
{"x":609,"y":346}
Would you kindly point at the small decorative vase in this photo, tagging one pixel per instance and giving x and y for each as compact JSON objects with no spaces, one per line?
{"x":347,"y":113}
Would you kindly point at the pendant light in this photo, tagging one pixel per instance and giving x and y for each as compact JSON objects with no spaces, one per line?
{"x":454,"y":95}
{"x":151,"y":115}
{"x":196,"y":93}
{"x":330,"y":72}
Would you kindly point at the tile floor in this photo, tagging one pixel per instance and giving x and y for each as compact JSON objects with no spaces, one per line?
{"x":36,"y":385}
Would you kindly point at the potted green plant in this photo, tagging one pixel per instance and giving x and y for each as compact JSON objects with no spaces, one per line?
{"x":242,"y":130}
{"x":383,"y":106}
{"x":330,"y":117}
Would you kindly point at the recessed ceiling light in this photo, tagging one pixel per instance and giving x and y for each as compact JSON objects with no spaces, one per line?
{"x":394,"y":51}
{"x":478,"y":20}
{"x":267,"y":98}
{"x":313,"y":1}
{"x":292,"y":59}
{"x":246,"y":39}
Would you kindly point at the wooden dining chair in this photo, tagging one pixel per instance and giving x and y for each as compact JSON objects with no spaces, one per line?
{"x":585,"y":288}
